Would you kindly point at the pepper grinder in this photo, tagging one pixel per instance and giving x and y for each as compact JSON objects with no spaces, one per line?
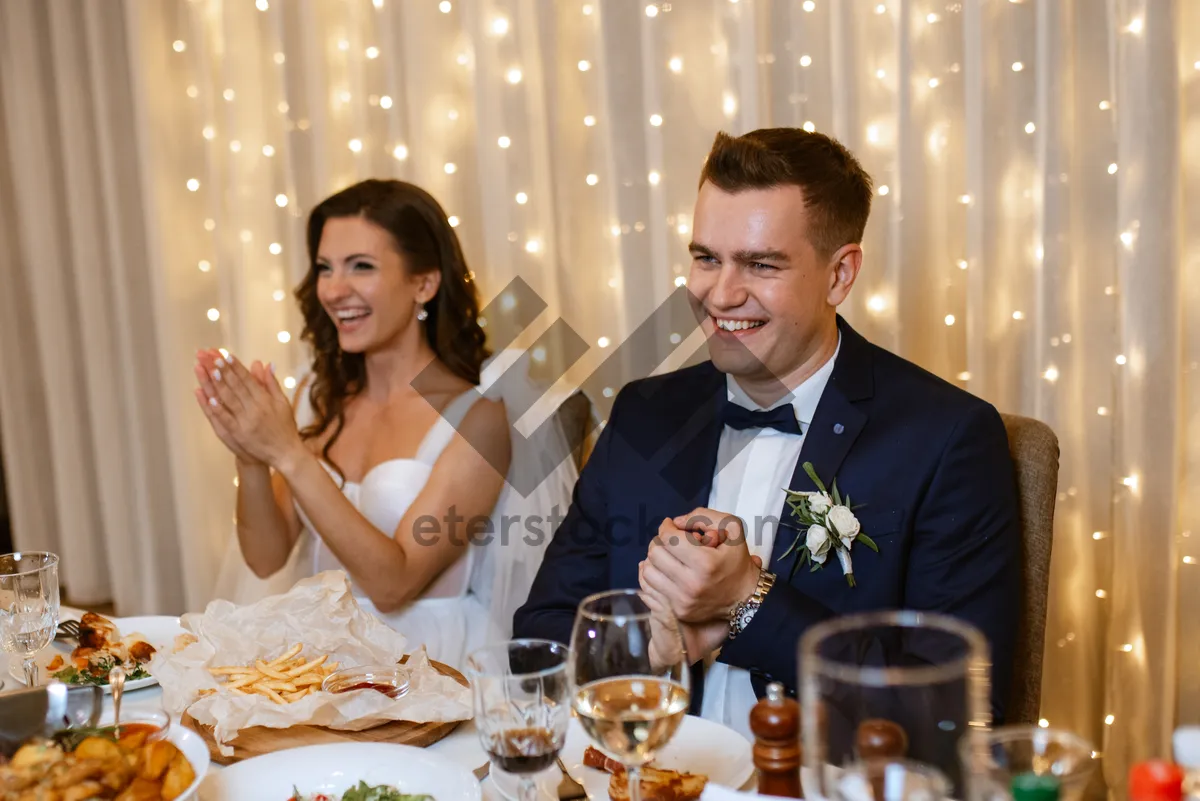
{"x":879,"y":742}
{"x":775,"y":721}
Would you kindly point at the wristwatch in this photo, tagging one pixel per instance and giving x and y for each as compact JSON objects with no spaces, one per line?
{"x":744,"y":612}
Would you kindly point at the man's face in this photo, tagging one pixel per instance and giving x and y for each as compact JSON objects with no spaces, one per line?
{"x":763,"y":294}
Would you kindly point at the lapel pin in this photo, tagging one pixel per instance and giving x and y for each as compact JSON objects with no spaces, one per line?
{"x":838,"y":428}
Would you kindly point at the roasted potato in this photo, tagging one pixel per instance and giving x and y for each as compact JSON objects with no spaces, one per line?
{"x":141,"y":790}
{"x":156,"y":758}
{"x":97,"y":748}
{"x":178,"y":778}
{"x":84,"y":791}
{"x":34,"y":754}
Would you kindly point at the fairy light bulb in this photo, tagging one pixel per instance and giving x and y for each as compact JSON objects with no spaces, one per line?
{"x":675,"y":65}
{"x":883,"y":190}
{"x":192,"y":92}
{"x":805,"y":60}
{"x":934,"y":83}
{"x":372,"y":52}
{"x":444,"y":6}
{"x":589,"y":120}
{"x":504,"y":142}
{"x":1043,"y":723}
{"x":592,"y":179}
{"x":179,"y":45}
{"x":1105,"y":105}
{"x":876,"y":303}
{"x":208,"y":132}
{"x":1050,"y":374}
{"x":275,"y":248}
{"x":1018,"y":315}
{"x":880,"y":9}
{"x":962,"y":264}
{"x":680,"y":280}
{"x":262,"y":5}
{"x":809,"y":126}
{"x":268,"y":151}
{"x":279,"y":58}
{"x":400,"y":152}
{"x":533,"y":246}
{"x":1109,"y":720}
{"x":229,"y":94}
{"x":1136,"y":25}
{"x":949,"y":319}
{"x":193,"y":184}
{"x":522,"y":198}
{"x":651,"y":11}
{"x":931,"y":18}
{"x":289,"y":383}
{"x":809,"y":6}
{"x":1112,"y":168}
{"x":450,"y":167}
{"x":214,"y":314}
{"x":1101,"y":594}
{"x":500,"y":26}
{"x":355,"y":145}
{"x":204,"y":265}
{"x":281,"y":200}
{"x":729,"y":104}
{"x":284,"y":337}
{"x":513,"y":75}
{"x":656,"y":120}
{"x":385,"y":102}
{"x":654,"y":178}
{"x":278,"y":295}
{"x":584,"y":65}
{"x":1030,"y":127}
{"x":235,"y":146}
{"x":453,"y":221}
{"x":1017,"y":66}
{"x":603,"y":342}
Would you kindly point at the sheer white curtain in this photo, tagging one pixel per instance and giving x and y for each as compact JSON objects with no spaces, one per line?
{"x":1036,"y":238}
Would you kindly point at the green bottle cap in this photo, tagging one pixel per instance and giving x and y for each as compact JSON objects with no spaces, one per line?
{"x":1031,"y":787}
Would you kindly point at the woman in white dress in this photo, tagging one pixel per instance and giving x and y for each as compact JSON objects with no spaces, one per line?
{"x":390,"y":459}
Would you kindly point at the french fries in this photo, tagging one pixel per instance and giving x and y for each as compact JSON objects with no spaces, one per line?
{"x":285,"y":679}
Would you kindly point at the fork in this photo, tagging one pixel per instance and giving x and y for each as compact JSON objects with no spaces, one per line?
{"x":568,"y":788}
{"x":68,"y":630}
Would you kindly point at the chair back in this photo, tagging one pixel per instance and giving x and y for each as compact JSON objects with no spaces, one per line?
{"x":575,"y":415}
{"x":1034,"y":449}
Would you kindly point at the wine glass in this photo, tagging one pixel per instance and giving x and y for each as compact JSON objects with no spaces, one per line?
{"x":522,"y":706}
{"x":28,"y":606}
{"x":630,"y":675}
{"x":891,"y":686}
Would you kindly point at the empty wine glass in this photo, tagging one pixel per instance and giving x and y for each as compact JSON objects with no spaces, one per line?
{"x":630,"y":675}
{"x":522,"y":706}
{"x":28,"y":606}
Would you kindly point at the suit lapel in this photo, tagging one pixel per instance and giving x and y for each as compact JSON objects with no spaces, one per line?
{"x":837,"y":422}
{"x":691,"y":462}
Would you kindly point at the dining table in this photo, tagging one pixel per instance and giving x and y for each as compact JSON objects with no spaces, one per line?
{"x":461,"y":746}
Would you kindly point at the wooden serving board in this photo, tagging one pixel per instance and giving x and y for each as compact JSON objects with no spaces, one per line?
{"x":259,"y":740}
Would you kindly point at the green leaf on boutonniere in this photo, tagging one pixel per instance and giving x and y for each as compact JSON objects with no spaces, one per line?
{"x":812,"y":473}
{"x":867,"y":541}
{"x":837,"y":499}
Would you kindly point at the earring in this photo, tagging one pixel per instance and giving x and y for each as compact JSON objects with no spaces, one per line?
{"x":422,"y":315}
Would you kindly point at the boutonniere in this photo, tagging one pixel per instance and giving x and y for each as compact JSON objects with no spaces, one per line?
{"x":827,"y":523}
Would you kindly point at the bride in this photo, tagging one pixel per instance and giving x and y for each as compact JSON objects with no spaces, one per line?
{"x":390,"y":463}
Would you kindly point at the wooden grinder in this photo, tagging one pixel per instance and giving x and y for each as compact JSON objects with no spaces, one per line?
{"x":878,"y":742}
{"x":775,"y":721}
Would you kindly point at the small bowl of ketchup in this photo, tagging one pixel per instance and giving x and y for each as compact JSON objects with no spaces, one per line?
{"x":140,"y":726}
{"x":390,"y":680}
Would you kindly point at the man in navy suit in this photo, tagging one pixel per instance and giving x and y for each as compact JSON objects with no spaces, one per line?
{"x":776,"y":249}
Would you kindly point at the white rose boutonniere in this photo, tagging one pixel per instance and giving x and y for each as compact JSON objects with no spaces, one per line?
{"x":827,"y":522}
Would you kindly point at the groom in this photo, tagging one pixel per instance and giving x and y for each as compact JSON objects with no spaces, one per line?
{"x":709,"y":449}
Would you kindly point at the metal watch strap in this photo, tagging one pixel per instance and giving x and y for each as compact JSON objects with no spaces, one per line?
{"x":744,"y":612}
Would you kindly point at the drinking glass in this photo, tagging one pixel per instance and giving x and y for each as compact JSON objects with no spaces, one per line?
{"x":522,"y":706}
{"x":891,"y":686}
{"x":630,"y":676}
{"x":1001,"y":755}
{"x":28,"y":606}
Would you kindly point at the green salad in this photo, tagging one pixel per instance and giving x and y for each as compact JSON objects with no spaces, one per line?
{"x":363,"y":792}
{"x":97,"y":674}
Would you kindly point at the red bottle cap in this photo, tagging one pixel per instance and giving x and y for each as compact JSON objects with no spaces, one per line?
{"x":1156,"y":779}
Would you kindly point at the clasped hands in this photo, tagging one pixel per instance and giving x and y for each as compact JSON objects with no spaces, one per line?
{"x":699,"y":568}
{"x":247,"y":409}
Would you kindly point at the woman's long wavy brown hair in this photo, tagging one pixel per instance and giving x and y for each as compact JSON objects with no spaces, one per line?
{"x":422,"y":233}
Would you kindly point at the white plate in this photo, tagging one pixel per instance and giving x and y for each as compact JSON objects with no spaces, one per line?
{"x":699,"y":746}
{"x":333,"y":769}
{"x":159,"y":630}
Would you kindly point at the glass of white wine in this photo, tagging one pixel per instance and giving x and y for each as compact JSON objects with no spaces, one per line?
{"x":630,"y":677}
{"x":28,"y":606}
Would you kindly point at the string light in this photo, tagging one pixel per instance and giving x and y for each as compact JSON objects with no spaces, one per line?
{"x":883,"y":190}
{"x":453,"y":221}
{"x":504,"y":142}
{"x":805,"y":60}
{"x":680,"y":280}
{"x":268,"y":151}
{"x":587,"y":10}
{"x":280,"y":58}
{"x":964,"y":376}
{"x":1017,"y":66}
{"x":343,"y":45}
{"x":964,"y":200}
{"x":522,"y":198}
{"x":1051,"y":374}
{"x":450,"y":167}
{"x":500,"y":26}
{"x":210,"y":224}
{"x":602,"y":342}
{"x":208,"y":132}
{"x":589,"y":120}
{"x":809,"y":126}
{"x":400,"y":152}
{"x":1101,"y":594}
{"x":880,"y":9}
{"x":949,"y":319}
{"x":652,"y":11}
{"x":592,"y":179}
{"x":1108,"y":720}
{"x":1030,"y":127}
{"x":809,"y":6}
{"x":275,"y":248}
{"x":1131,"y":482}
{"x":934,"y":83}
{"x":1105,"y":105}
{"x":193,"y":184}
{"x":654,"y":178}
{"x":656,"y":120}
{"x":1121,"y":358}
{"x":729,"y":104}
{"x":355,"y":145}
{"x":281,"y":200}
{"x":444,"y":6}
{"x":676,"y":65}
{"x":229,"y":94}
{"x":204,"y":266}
{"x":1136,"y":25}
{"x":235,"y":146}
{"x":179,"y":45}
{"x":533,"y":246}
{"x":514,"y":75}
{"x":931,"y":18}
{"x":214,"y":315}
{"x":289,"y":383}
{"x":283,"y":107}
{"x":1018,"y":315}
{"x":284,"y":337}
{"x":1097,"y":535}
{"x":193,"y":92}
{"x":876,"y":303}
{"x":584,"y":65}
{"x":278,"y":295}
{"x":1189,"y":560}
{"x":385,"y":102}
{"x":247,"y":237}
{"x":261,"y":5}
{"x":962,"y":264}
{"x":881,"y":73}
{"x":1127,"y":647}
{"x":372,"y":52}
{"x":1044,"y":723}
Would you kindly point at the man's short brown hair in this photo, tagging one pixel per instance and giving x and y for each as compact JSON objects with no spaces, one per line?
{"x":837,"y":190}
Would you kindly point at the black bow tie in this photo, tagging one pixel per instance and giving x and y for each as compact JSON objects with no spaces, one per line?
{"x":781,"y":418}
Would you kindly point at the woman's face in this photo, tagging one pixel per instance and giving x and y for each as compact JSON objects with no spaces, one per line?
{"x":365,"y":286}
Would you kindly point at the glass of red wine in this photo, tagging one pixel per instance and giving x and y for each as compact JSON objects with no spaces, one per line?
{"x":522,"y":706}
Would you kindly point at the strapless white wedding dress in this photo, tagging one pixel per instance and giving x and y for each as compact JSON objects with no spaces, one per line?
{"x":472,"y":602}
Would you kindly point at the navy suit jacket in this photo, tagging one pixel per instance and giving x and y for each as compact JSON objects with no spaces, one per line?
{"x":928,"y":461}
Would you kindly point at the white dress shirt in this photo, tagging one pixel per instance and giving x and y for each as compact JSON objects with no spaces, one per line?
{"x":754,"y":467}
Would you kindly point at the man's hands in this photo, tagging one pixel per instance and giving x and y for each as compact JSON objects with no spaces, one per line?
{"x":699,"y":568}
